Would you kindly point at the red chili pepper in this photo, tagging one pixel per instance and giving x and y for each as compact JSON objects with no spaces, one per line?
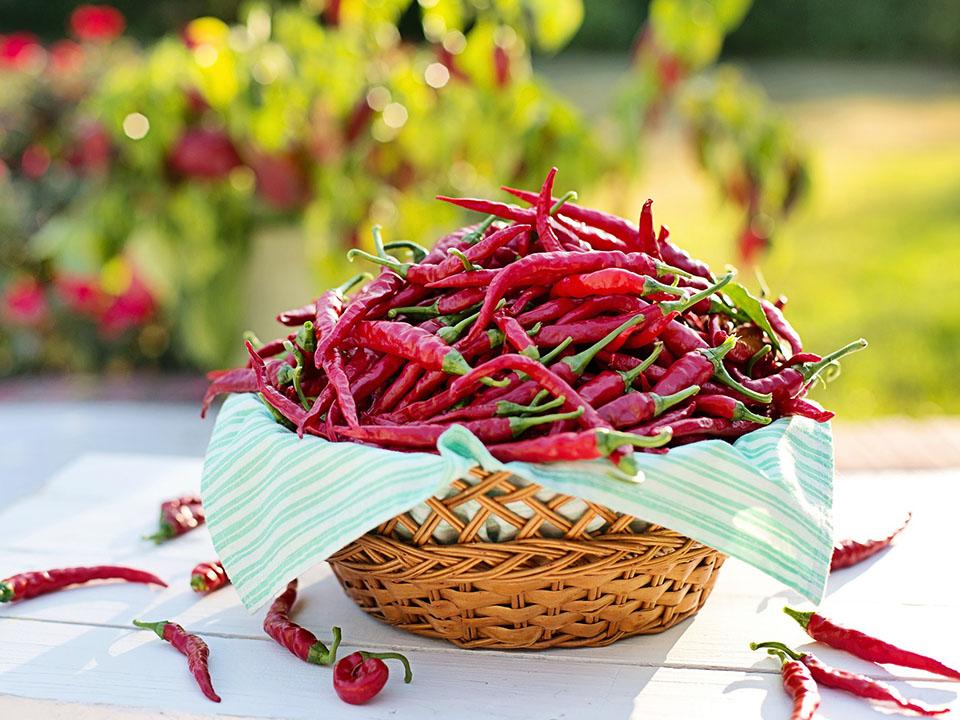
{"x":612,"y":281}
{"x":361,"y":675}
{"x":667,"y":420}
{"x":386,"y":285}
{"x":608,"y":385}
{"x":516,"y":336}
{"x":790,"y":381}
{"x":329,"y":307}
{"x":445,"y":305}
{"x":545,"y":234}
{"x":410,"y":342}
{"x":567,"y":446}
{"x":805,"y":408}
{"x":24,"y":586}
{"x":678,"y":257}
{"x":179,"y":516}
{"x":859,"y":685}
{"x":596,"y":238}
{"x":398,"y":389}
{"x":647,"y":236}
{"x":800,"y":685}
{"x":238,"y":380}
{"x":273,"y":398}
{"x":208,"y":577}
{"x":781,"y":326}
{"x":854,"y":551}
{"x":698,"y":366}
{"x":192,"y":647}
{"x":710,"y":427}
{"x":724,"y":406}
{"x":298,"y":640}
{"x":634,"y":408}
{"x":333,"y":367}
{"x":864,"y":646}
{"x":473,"y":278}
{"x":547,"y":311}
{"x":488,"y":430}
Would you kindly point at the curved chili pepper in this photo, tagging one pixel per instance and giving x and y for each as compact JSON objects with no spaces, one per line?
{"x":26,"y":585}
{"x":646,"y":235}
{"x":790,"y":381}
{"x":190,"y":646}
{"x":698,"y":366}
{"x":410,"y":342}
{"x":849,"y":552}
{"x":545,"y":233}
{"x":547,"y":311}
{"x":724,"y":406}
{"x":800,"y":685}
{"x":273,"y":398}
{"x":333,"y":366}
{"x":237,"y":380}
{"x":208,"y":577}
{"x":298,"y":640}
{"x":667,"y":420}
{"x":445,"y":305}
{"x":516,"y":336}
{"x":634,"y":408}
{"x":567,"y":446}
{"x":853,"y":683}
{"x":596,"y":238}
{"x":178,"y":516}
{"x":474,"y":278}
{"x":864,"y":646}
{"x":329,"y":306}
{"x":488,"y":430}
{"x":781,"y":326}
{"x":360,"y":676}
{"x":806,"y":408}
{"x":710,"y":427}
{"x":608,"y":385}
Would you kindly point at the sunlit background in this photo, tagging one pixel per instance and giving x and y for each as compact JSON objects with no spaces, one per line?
{"x":172,"y":173}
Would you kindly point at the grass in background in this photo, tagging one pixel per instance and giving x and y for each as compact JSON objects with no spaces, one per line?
{"x":874,"y":251}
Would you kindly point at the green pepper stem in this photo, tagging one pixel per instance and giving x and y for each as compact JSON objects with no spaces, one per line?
{"x":306,"y":338}
{"x":198,"y":583}
{"x":550,"y":356}
{"x":610,"y":440}
{"x":164,"y":533}
{"x":249,"y":336}
{"x":157,"y":627}
{"x":779,"y":654}
{"x":742,"y":412}
{"x":407,"y":671}
{"x":467,"y":263}
{"x":378,"y":243}
{"x":681,"y":306}
{"x":663,"y":268}
{"x":780,"y":647}
{"x":801,"y":617}
{"x":392,"y":263}
{"x":629,"y":376}
{"x":715,"y":356}
{"x":6,"y":592}
{"x":520,"y":424}
{"x":418,"y":250}
{"x":665,"y":402}
{"x":451,"y":333}
{"x":651,"y":286}
{"x":531,"y":352}
{"x":473,"y":237}
{"x":297,"y":372}
{"x":320,"y":655}
{"x":811,"y":370}
{"x":422,"y":310}
{"x":454,"y":363}
{"x":758,"y":355}
{"x":578,"y":363}
{"x":569,"y":196}
{"x":505,"y":407}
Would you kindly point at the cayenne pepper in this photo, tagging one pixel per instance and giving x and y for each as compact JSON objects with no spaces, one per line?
{"x":178,"y":516}
{"x":865,"y":646}
{"x":26,"y":585}
{"x":298,"y":640}
{"x":854,"y":551}
{"x":208,"y":577}
{"x":191,"y":646}
{"x":799,"y":683}
{"x":853,"y":683}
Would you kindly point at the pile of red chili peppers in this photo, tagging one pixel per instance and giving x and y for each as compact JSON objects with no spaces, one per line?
{"x":631,"y":342}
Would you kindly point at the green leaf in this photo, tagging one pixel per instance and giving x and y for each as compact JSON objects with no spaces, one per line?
{"x":750,"y":304}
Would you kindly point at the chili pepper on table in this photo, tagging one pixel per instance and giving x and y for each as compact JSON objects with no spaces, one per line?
{"x":865,"y":646}
{"x":790,"y":381}
{"x":849,"y":552}
{"x":800,"y":685}
{"x":192,"y":647}
{"x":487,"y":430}
{"x":298,"y":640}
{"x":208,"y":577}
{"x":853,"y":683}
{"x":179,"y":516}
{"x":724,"y":406}
{"x":633,"y":408}
{"x":26,"y":585}
{"x":360,"y":676}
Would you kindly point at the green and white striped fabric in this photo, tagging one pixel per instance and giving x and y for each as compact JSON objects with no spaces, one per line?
{"x":277,"y":505}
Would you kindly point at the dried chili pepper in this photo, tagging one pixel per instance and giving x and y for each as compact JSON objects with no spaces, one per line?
{"x":237,"y":380}
{"x":26,"y":585}
{"x":634,"y":408}
{"x":446,"y":305}
{"x":790,"y":381}
{"x":329,"y":307}
{"x":410,"y":342}
{"x":709,"y":427}
{"x":298,"y":640}
{"x":360,"y":676}
{"x":864,"y":646}
{"x":849,"y":552}
{"x":545,"y":233}
{"x":781,"y":326}
{"x":179,"y":516}
{"x":333,"y":367}
{"x":612,"y":281}
{"x":800,"y":685}
{"x":191,"y":646}
{"x":208,"y":577}
{"x":475,"y":278}
{"x":646,"y":235}
{"x":583,"y":445}
{"x":853,"y":683}
{"x":615,"y":226}
{"x":516,"y":336}
{"x":805,"y":408}
{"x":606,"y":386}
{"x":698,"y":366}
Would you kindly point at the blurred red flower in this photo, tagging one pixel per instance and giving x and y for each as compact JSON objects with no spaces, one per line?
{"x":130,"y":309}
{"x":24,"y":303}
{"x":280,"y":181}
{"x":66,"y":56}
{"x":80,"y":294}
{"x":20,"y":50}
{"x":204,"y":154}
{"x":91,"y":148}
{"x":35,"y":161}
{"x":96,"y":23}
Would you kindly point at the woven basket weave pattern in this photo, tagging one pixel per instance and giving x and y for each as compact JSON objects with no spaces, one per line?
{"x":606,"y":578}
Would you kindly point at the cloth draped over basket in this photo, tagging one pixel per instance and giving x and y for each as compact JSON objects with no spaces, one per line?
{"x":277,"y":505}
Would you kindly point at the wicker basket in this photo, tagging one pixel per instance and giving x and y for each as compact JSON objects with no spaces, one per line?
{"x":585,"y":588}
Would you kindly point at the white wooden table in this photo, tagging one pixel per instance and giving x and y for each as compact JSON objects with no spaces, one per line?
{"x":75,"y":655}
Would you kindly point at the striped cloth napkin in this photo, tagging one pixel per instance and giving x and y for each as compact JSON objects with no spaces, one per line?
{"x":277,"y":505}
